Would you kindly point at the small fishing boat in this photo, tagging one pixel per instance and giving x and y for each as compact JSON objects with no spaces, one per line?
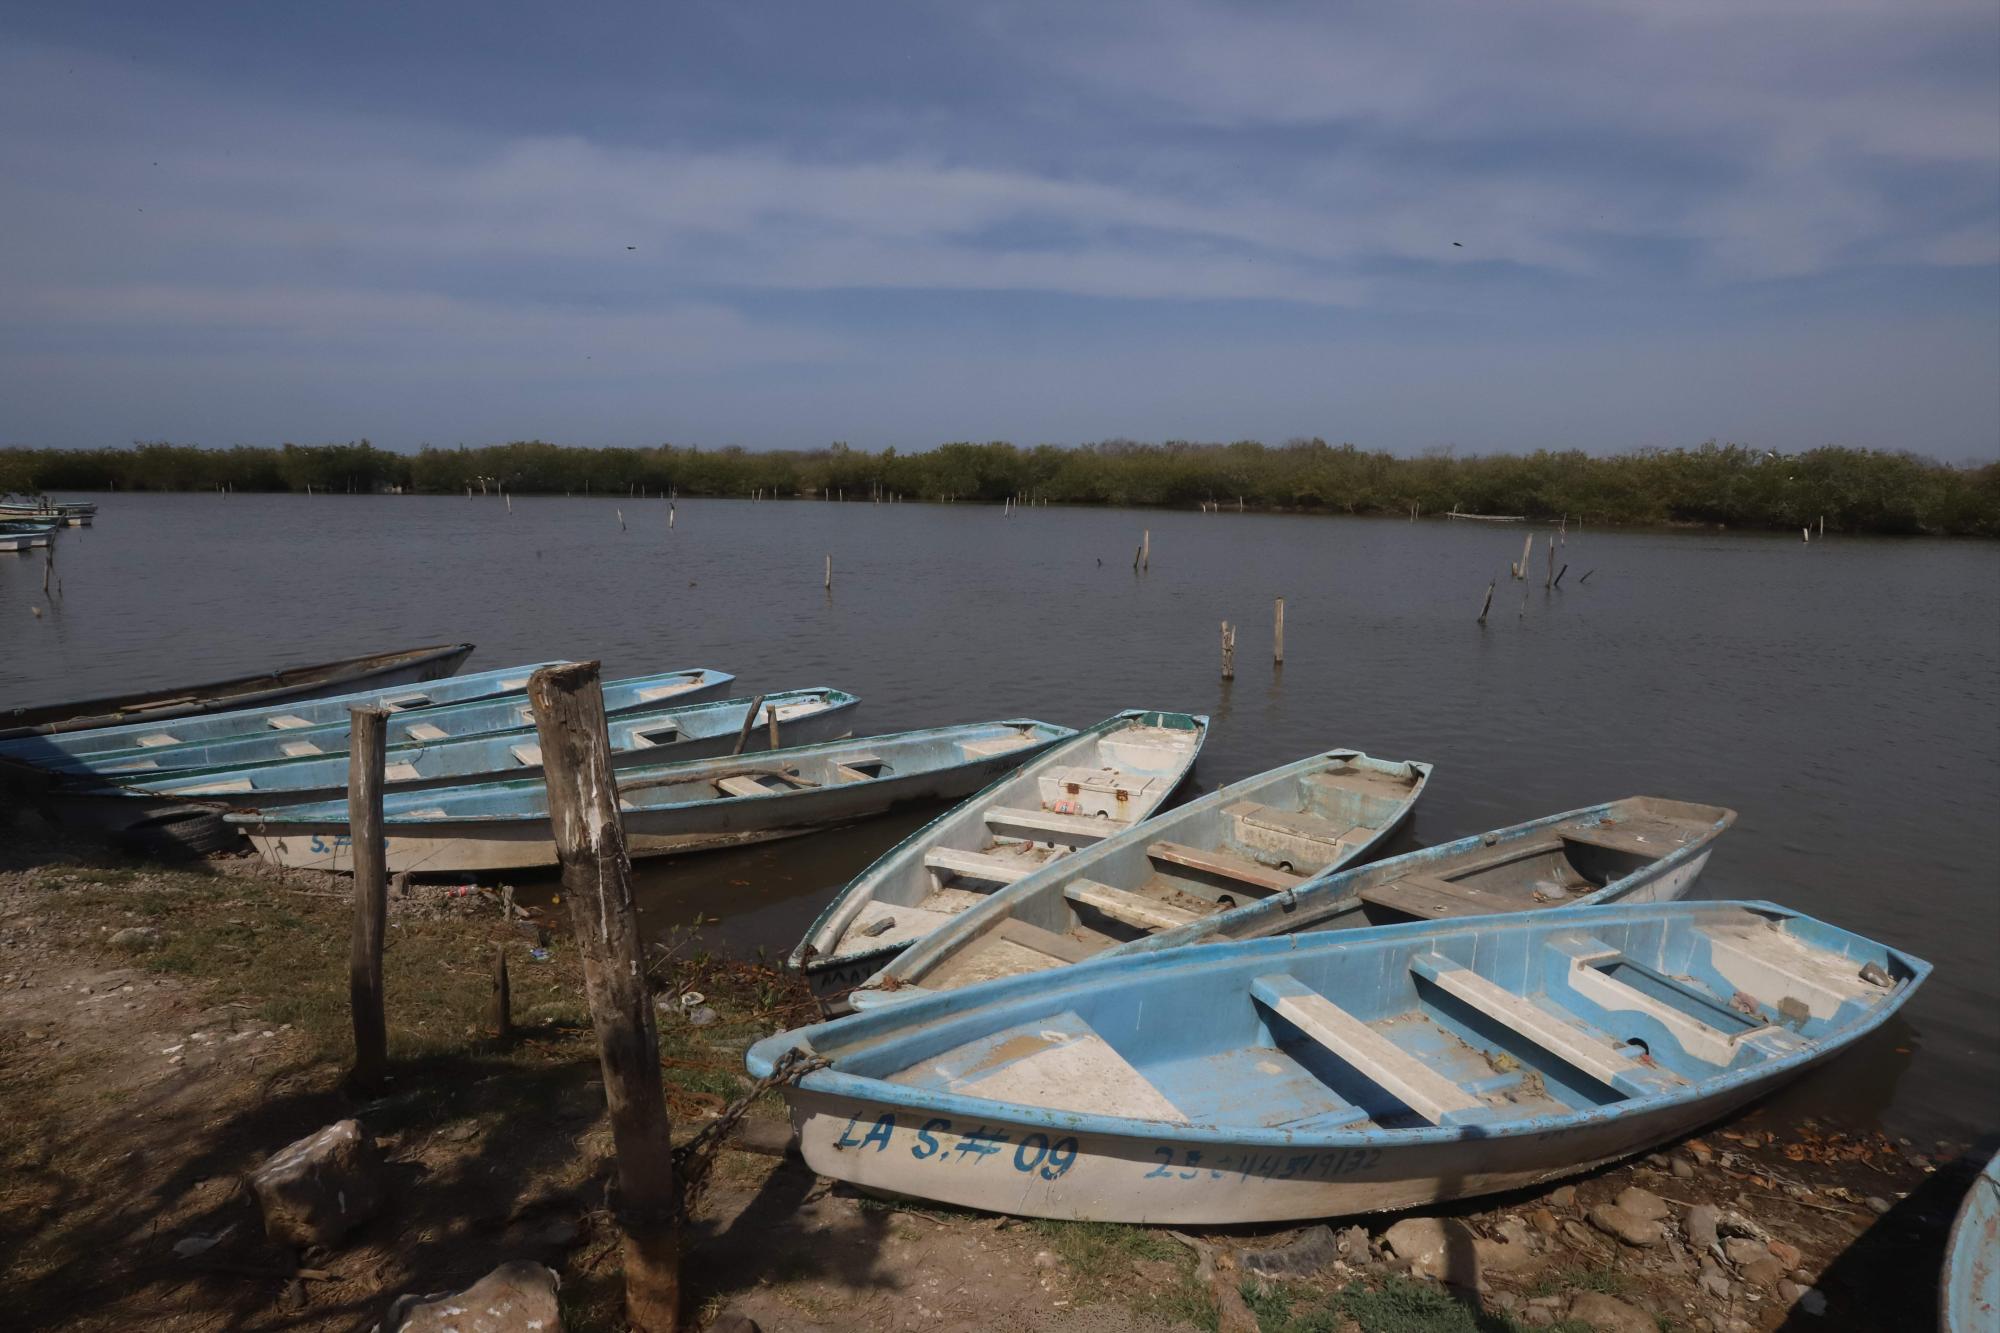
{"x":26,"y":536}
{"x":668,"y":808}
{"x":1969,"y":1298}
{"x":465,"y":706}
{"x":693,"y":731}
{"x":286,"y":683}
{"x":1265,"y":836}
{"x":1330,"y":1074}
{"x":1105,"y":780}
{"x":71,"y":515}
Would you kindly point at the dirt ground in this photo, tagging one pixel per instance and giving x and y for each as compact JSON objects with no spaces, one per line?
{"x":145,"y":1072}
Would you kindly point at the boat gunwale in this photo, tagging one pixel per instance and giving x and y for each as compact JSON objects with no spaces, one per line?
{"x":829,"y":1081}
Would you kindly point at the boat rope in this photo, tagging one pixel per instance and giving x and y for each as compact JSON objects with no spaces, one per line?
{"x":693,"y":1159}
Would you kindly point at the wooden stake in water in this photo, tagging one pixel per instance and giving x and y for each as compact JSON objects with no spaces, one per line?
{"x":670,"y":513}
{"x":1527,"y":554}
{"x":597,"y":879}
{"x":749,"y":721}
{"x":510,"y":502}
{"x":1487,"y":605}
{"x":1228,"y":652}
{"x":1146,"y":550}
{"x":829,"y":573}
{"x":1278,"y":633}
{"x":621,"y":519}
{"x":366,"y":745}
{"x":1549,"y":579}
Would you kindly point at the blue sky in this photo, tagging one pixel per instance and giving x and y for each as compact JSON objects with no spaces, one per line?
{"x":1773,"y":221}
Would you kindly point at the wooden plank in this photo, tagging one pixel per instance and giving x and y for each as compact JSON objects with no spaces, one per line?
{"x":1560,"y":1037}
{"x":1016,"y":931}
{"x":1428,"y":897}
{"x":1397,"y":1072}
{"x":742,"y":784}
{"x":1239,"y":868}
{"x":1651,"y":838}
{"x":1131,"y":908}
{"x":1075,"y":830}
{"x":1295,"y":822}
{"x":977,"y":865}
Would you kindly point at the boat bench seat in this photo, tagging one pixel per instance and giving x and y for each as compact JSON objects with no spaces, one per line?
{"x":1428,"y":897}
{"x":1029,"y":936}
{"x":1132,"y":908}
{"x":1298,"y":823}
{"x":986,"y":749}
{"x":1650,"y":838}
{"x":854,"y":768}
{"x":742,"y":784}
{"x":1225,"y":865}
{"x":1047,"y":826}
{"x":977,"y":865}
{"x":1610,"y":1063}
{"x":1390,"y":1067}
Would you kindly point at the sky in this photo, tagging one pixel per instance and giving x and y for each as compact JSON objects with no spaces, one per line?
{"x":1596,"y":224}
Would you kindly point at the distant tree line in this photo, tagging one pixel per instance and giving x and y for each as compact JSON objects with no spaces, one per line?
{"x":1856,"y":490}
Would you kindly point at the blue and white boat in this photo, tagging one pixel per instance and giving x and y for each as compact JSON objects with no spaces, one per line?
{"x":436,"y":711}
{"x":667,"y":808}
{"x":1102,"y":782}
{"x":26,"y":536}
{"x":1265,"y":837}
{"x":1328,"y":1074}
{"x":1969,"y":1298}
{"x":693,"y":731}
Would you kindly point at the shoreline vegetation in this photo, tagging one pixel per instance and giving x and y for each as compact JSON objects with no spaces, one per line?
{"x":1853,"y":490}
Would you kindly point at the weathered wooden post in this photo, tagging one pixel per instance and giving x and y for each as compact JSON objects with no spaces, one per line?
{"x":503,"y":1000}
{"x":1549,"y":579}
{"x":770,"y":717}
{"x":749,"y":721}
{"x":1228,"y":652}
{"x":510,"y":502}
{"x":366,"y":746}
{"x":829,"y":573}
{"x":1146,"y":550}
{"x":1487,"y":605}
{"x":1527,"y":553}
{"x":597,"y":879}
{"x":621,"y":519}
{"x":1278,"y":634}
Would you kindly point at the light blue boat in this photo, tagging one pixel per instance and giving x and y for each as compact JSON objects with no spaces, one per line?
{"x":499,"y":703}
{"x":1264,"y":837}
{"x":1101,"y":782}
{"x":692,"y":731}
{"x":667,"y":808}
{"x":63,"y":749}
{"x":1969,"y":1301}
{"x":1334,"y":1073}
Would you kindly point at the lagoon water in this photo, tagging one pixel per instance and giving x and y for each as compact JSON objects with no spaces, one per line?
{"x":1843,"y":697}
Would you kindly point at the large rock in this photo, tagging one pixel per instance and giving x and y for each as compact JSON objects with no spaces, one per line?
{"x":518,"y":1297}
{"x":1637,"y":1231}
{"x":1436,"y":1247}
{"x":1642,"y":1204}
{"x":1611,"y":1315}
{"x":1701,"y":1223}
{"x":320,"y":1188}
{"x":1304,"y":1255}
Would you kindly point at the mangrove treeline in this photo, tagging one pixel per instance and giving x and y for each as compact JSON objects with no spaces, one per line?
{"x":1855,"y":490}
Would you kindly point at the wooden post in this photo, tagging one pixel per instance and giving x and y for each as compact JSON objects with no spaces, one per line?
{"x":829,"y":573}
{"x":503,"y":1006}
{"x":1228,"y":652}
{"x":1487,"y":605}
{"x":1559,"y":575}
{"x":1278,"y":634}
{"x":749,"y":721}
{"x":1822,"y":526}
{"x":597,"y":879}
{"x":366,"y":745}
{"x":510,"y":502}
{"x":1527,"y":553}
{"x":1805,"y":534}
{"x":670,"y":513}
{"x":771,"y":718}
{"x":621,"y":519}
{"x":1146,"y":550}
{"x":1549,"y":579}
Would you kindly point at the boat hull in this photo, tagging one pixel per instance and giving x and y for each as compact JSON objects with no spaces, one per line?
{"x":1163,"y":1179}
{"x":519,"y":844}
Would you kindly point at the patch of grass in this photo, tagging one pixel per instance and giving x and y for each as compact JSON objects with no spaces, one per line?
{"x":1098,"y":1253}
{"x":1399,"y":1305}
{"x":1607,"y":1279}
{"x":1186,"y":1302}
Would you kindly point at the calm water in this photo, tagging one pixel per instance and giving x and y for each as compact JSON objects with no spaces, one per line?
{"x":1845,"y":697}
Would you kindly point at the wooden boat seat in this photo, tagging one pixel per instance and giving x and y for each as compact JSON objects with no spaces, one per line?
{"x":404,"y":772}
{"x":526,"y":755}
{"x":1132,"y":908}
{"x":286,"y":722}
{"x":1650,"y":838}
{"x":1427,"y":897}
{"x":1226,"y":865}
{"x":1704,"y":1041}
{"x":1393,"y":1069}
{"x":1298,"y":823}
{"x":1028,"y":936}
{"x":978,"y":865}
{"x":986,"y":749}
{"x":299,"y":749}
{"x":651,"y":692}
{"x":878,"y":924}
{"x":856,"y":768}
{"x":424,"y":731}
{"x":1047,"y":826}
{"x":158,"y":738}
{"x":743,"y":784}
{"x":1606,"y":1061}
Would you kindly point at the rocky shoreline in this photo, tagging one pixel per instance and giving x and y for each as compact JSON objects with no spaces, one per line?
{"x":165,"y":1031}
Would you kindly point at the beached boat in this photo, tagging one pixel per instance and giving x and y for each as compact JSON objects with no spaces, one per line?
{"x":140,"y":709}
{"x":692,"y":731}
{"x":1324,"y":1075}
{"x":667,"y":808}
{"x":1969,"y":1298}
{"x":1267,"y":835}
{"x":1102,"y":782}
{"x":466,"y":706}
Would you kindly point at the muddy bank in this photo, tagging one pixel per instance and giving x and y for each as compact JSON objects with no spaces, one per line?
{"x":164,"y":1030}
